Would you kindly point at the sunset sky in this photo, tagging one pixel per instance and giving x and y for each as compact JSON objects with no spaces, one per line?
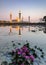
{"x":35,"y":8}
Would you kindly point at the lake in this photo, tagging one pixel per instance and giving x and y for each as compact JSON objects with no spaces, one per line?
{"x":35,"y":35}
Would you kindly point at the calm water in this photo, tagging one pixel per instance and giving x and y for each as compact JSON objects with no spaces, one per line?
{"x":36,"y":35}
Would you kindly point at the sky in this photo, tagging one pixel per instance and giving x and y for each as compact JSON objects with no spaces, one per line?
{"x":34,"y":8}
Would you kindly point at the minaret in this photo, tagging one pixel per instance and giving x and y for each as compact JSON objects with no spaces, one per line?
{"x":29,"y":19}
{"x":10,"y":17}
{"x":20,"y":15}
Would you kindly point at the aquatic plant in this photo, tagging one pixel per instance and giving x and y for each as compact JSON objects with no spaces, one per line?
{"x":26,"y":55}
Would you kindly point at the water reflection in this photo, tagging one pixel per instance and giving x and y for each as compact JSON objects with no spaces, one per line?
{"x":19,"y":31}
{"x":44,"y":30}
{"x":18,"y":28}
{"x":10,"y":30}
{"x":29,"y":29}
{"x":35,"y":34}
{"x":32,"y":29}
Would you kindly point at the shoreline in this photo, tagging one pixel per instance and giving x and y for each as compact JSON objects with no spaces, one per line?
{"x":23,"y":23}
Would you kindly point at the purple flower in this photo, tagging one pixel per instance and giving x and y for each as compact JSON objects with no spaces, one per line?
{"x":32,"y":57}
{"x":23,"y":54}
{"x":24,"y":48}
{"x":26,"y":57}
{"x":19,"y":52}
{"x":17,"y":49}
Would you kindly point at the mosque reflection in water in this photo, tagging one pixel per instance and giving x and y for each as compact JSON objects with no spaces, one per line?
{"x":17,"y":28}
{"x":30,"y":29}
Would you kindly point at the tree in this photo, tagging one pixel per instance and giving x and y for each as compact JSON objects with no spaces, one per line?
{"x":44,"y":18}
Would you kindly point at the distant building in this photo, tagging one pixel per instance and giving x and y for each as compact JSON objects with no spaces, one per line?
{"x":14,"y":21}
{"x":19,"y":15}
{"x":10,"y":17}
{"x":29,"y":18}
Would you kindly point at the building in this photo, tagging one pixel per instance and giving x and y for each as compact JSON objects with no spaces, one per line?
{"x":10,"y":17}
{"x":29,"y":19}
{"x":19,"y":15}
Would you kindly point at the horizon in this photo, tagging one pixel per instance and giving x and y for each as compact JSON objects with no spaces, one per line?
{"x":34,"y":8}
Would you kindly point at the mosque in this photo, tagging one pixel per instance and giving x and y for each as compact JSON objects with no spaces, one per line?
{"x":17,"y":19}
